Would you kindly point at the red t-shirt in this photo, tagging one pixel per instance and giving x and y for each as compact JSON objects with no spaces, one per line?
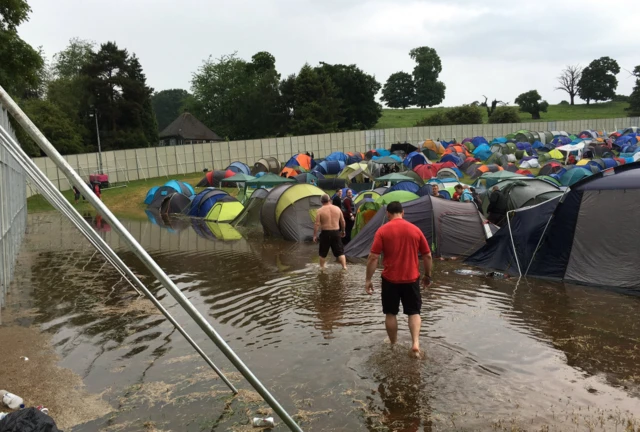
{"x":400,"y":241}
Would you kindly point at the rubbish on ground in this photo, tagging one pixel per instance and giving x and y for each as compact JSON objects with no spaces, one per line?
{"x":263,"y":422}
{"x":11,"y":400}
{"x":42,"y":409}
{"x":28,"y":420}
{"x":24,"y":358}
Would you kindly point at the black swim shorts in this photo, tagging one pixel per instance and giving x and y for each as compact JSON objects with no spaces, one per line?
{"x":407,"y":293}
{"x":330,"y":239}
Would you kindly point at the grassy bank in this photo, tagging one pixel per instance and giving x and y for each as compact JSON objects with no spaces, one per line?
{"x":126,"y":202}
{"x":395,"y":118}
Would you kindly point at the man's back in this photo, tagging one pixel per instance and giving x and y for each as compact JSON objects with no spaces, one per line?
{"x":329,"y":217}
{"x":400,"y":242}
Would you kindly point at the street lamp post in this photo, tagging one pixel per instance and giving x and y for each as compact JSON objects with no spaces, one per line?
{"x":95,"y":114}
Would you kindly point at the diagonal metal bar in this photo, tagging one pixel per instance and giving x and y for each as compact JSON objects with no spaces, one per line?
{"x":61,"y":204}
{"x":142,"y":254}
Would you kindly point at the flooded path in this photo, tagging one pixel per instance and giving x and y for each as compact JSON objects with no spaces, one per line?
{"x":499,"y":355}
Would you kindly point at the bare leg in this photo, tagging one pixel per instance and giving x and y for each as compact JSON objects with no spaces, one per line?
{"x":343,"y":260}
{"x":322,"y":262}
{"x":414,"y":328}
{"x":391,"y":323}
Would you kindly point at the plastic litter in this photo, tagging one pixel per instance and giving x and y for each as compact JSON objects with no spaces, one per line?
{"x":264,"y":422}
{"x":10,"y":400}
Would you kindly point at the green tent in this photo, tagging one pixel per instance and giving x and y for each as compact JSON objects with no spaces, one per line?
{"x":414,"y":176}
{"x":549,"y":179}
{"x":394,"y":178}
{"x":239,"y":178}
{"x":492,"y":178}
{"x":400,"y":196}
{"x":387,"y":160}
{"x":267,"y":180}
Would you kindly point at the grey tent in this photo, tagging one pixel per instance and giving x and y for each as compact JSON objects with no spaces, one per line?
{"x":289,"y":211}
{"x":267,"y":164}
{"x":174,"y":204}
{"x":522,"y":192}
{"x":452,"y":228}
{"x":250,"y":215}
{"x":588,"y":236}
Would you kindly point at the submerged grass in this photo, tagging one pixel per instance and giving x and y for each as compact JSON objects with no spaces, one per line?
{"x":397,"y":118}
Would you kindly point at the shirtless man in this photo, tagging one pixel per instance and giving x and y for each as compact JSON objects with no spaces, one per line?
{"x":330,"y":221}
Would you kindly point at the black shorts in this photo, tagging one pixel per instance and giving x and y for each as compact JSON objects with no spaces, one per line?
{"x":394,"y":293}
{"x":330,"y":240}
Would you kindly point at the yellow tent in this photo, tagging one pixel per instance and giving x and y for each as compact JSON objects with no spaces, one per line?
{"x":224,"y":231}
{"x":224,"y":211}
{"x":356,"y":172}
{"x":434,"y":146}
{"x":582,"y":162}
{"x":556,"y":154}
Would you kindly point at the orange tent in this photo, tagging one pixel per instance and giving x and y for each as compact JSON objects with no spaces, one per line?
{"x":435,"y":146}
{"x":289,"y":172}
{"x":458,"y":148}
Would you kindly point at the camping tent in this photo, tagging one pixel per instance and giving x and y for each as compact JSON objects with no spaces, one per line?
{"x":452,"y":228}
{"x":434,"y":146}
{"x":290,"y":211}
{"x":337,"y":156}
{"x":551,"y":168}
{"x":239,"y":167}
{"x":373,"y":195}
{"x":330,"y":167}
{"x":250,"y":215}
{"x":449,"y":173}
{"x":181,"y":187}
{"x":225,"y":210}
{"x":574,"y":175}
{"x":301,"y":160}
{"x":215,"y":178}
{"x":149,"y":197}
{"x":399,"y":195}
{"x":267,"y":164}
{"x":269,"y":180}
{"x":404,"y":147}
{"x":404,"y":186}
{"x":491,"y":178}
{"x":175,"y":203}
{"x":355,"y":173}
{"x":307,"y":178}
{"x":521,"y":191}
{"x":476,"y":170}
{"x":414,"y":159}
{"x":575,"y":244}
{"x":205,"y":200}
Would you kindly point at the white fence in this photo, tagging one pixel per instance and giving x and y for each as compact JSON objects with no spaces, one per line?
{"x":143,"y":163}
{"x":13,"y":209}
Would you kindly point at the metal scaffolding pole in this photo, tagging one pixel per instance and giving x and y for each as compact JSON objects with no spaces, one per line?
{"x":61,"y":204}
{"x":142,"y":254}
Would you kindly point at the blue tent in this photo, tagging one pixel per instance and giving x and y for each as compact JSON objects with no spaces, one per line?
{"x":392,"y":156}
{"x":354,"y":159}
{"x":337,"y":156}
{"x":453,"y":158}
{"x":150,"y":195}
{"x":404,"y":186}
{"x":239,"y":167}
{"x":330,"y":167}
{"x":498,"y":140}
{"x":414,"y":159}
{"x":482,"y":152}
{"x":572,"y":176}
{"x":205,"y":200}
{"x":524,"y":146}
{"x":561,"y":140}
{"x":626,"y":139}
{"x":574,"y":240}
{"x":446,"y":144}
{"x":181,"y":187}
{"x":479,"y":140}
{"x":383,"y":152}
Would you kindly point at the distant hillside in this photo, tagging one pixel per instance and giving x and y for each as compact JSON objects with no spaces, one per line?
{"x":396,"y":118}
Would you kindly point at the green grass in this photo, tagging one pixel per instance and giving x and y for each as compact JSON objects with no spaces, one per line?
{"x":125,"y":202}
{"x":396,"y":118}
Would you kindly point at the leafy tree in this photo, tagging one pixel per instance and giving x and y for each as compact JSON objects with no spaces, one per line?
{"x":168,"y":105}
{"x":317,"y":107}
{"x":569,"y":79}
{"x":504,"y":114}
{"x":598,"y":81}
{"x":429,"y":91}
{"x":116,"y":89}
{"x":465,"y":114}
{"x":634,"y":99}
{"x":357,"y":92}
{"x":490,"y":108}
{"x":54,"y":124}
{"x":239,"y":99}
{"x":68,"y":63}
{"x":399,"y":91}
{"x":21,"y":66}
{"x":530,"y":102}
{"x":287,"y":91}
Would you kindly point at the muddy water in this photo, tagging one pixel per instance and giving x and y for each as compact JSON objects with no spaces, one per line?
{"x":500,"y":355}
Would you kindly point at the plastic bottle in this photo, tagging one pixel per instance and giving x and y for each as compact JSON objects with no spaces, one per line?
{"x":263,"y":422}
{"x":11,"y":400}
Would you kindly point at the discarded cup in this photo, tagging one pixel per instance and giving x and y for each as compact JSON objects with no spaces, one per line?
{"x":43,"y":410}
{"x":264,"y":422}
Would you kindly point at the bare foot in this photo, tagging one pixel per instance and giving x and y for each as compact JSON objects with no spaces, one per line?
{"x":344,"y":267}
{"x":415,"y":352}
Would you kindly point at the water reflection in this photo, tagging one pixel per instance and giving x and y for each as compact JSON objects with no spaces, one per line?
{"x":495,"y":348}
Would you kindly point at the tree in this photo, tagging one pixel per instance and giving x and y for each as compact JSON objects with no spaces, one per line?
{"x":504,"y":114}
{"x":598,"y":81}
{"x":116,"y":90}
{"x":569,"y":79}
{"x":490,"y":109}
{"x":68,"y":63}
{"x":54,"y":124}
{"x":530,"y":102}
{"x":317,"y":107}
{"x":634,"y":99}
{"x":399,"y":91}
{"x":168,"y":105}
{"x":357,"y":92}
{"x":429,"y":91}
{"x":21,"y":66}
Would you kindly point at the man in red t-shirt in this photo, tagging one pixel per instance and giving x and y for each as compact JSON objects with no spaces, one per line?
{"x":400,"y":242}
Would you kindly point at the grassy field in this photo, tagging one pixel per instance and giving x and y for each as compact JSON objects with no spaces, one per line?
{"x":125,"y":202}
{"x":395,"y":118}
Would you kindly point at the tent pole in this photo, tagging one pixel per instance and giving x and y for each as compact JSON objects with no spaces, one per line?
{"x":61,"y":204}
{"x":142,"y":254}
{"x":515,"y":252}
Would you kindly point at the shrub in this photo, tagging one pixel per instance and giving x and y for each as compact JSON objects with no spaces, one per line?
{"x":466,"y":114}
{"x":564,"y":102}
{"x":505,"y":114}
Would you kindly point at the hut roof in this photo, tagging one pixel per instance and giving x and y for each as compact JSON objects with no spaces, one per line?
{"x":186,"y":126}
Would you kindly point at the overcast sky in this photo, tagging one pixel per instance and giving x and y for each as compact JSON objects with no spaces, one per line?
{"x":499,"y":48}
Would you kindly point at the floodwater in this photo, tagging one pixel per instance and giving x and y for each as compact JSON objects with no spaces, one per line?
{"x":500,"y":355}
